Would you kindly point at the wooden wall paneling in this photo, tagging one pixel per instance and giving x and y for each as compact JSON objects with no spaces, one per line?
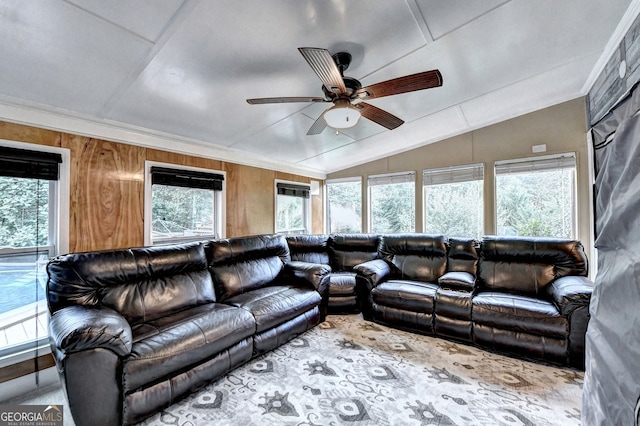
{"x":183,"y":159}
{"x":107,"y":194}
{"x":250,"y":200}
{"x":291,"y":177}
{"x":317,"y":211}
{"x":22,"y":133}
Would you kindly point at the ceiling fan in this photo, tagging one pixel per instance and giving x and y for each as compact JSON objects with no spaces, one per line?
{"x":347,"y":94}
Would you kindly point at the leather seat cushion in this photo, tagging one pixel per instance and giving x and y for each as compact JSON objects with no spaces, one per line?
{"x":343,"y":302}
{"x":172,"y":343}
{"x":271,"y":306}
{"x":415,"y":296}
{"x":454,"y":303}
{"x":342,"y":284}
{"x":519,"y":313}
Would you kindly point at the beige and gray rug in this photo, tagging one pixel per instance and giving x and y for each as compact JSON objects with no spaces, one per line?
{"x":351,"y":372}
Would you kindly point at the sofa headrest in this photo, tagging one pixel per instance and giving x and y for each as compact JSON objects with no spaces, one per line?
{"x":413,"y":244}
{"x":463,"y":255}
{"x":528,"y":264}
{"x":354,"y":242}
{"x":309,"y":248}
{"x":421,"y":257}
{"x":307,"y":243}
{"x":242,"y":264}
{"x":139,"y":283}
{"x":233,"y":250}
{"x":349,"y":250}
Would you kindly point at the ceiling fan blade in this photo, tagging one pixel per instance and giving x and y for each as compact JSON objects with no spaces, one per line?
{"x":379,"y":116}
{"x":395,"y":86}
{"x":281,"y":100}
{"x":325,"y":68}
{"x":318,"y":126}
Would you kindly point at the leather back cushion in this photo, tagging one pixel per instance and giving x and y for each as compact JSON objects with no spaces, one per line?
{"x":243,"y":264}
{"x":309,"y":248}
{"x":418,"y":257}
{"x":528,"y":265}
{"x":349,"y":250}
{"x":141,"y":284}
{"x":463,"y":255}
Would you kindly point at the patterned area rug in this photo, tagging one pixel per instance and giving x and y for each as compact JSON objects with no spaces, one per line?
{"x":351,"y":372}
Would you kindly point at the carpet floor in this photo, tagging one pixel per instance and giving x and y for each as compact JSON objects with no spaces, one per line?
{"x":348,"y":371}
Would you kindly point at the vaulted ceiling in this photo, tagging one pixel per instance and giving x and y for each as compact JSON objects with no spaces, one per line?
{"x":176,"y":73}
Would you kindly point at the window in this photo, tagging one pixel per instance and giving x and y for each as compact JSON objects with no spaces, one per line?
{"x":186,"y":204}
{"x":293,"y":208}
{"x":392,"y":203}
{"x":453,"y":201}
{"x":344,"y":201}
{"x":30,"y":221}
{"x":536,"y":197}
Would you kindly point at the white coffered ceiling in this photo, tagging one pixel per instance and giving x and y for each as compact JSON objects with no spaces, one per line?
{"x":175,"y":73}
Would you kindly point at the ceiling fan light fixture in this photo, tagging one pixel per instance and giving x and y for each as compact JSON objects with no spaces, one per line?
{"x":342,"y":115}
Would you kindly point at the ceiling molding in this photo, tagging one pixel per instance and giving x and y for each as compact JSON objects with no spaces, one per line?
{"x":45,"y":118}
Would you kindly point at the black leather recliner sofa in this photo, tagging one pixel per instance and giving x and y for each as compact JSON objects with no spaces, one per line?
{"x":133,"y":330}
{"x":527,"y":296}
{"x":342,"y":252}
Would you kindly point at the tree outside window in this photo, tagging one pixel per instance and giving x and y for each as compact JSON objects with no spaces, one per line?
{"x":536,"y":198}
{"x":293,"y":208}
{"x":392,"y":203}
{"x":344,"y":206}
{"x":186,"y":204}
{"x":453,"y":201}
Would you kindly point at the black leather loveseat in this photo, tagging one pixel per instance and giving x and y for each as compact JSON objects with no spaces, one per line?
{"x":528,"y":296}
{"x":133,"y":330}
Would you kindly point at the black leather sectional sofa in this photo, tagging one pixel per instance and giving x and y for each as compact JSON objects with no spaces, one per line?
{"x":133,"y":330}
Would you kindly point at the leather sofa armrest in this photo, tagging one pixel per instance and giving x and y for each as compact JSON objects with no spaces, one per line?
{"x":458,"y":280}
{"x":368,"y":276}
{"x":570,"y":293}
{"x":78,"y":328}
{"x":313,"y":274}
{"x":373,"y":271}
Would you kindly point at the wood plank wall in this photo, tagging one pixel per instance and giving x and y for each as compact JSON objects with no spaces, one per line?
{"x":107,"y":189}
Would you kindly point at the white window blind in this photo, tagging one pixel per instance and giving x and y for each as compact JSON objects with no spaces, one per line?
{"x":390,"y":179}
{"x":556,"y":162}
{"x":453,"y":174}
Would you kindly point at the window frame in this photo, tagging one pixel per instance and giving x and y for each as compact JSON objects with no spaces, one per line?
{"x":219,"y":200}
{"x":58,"y":233}
{"x":399,"y":177}
{"x":306,"y":206}
{"x":328,"y":182}
{"x":537,"y":164}
{"x":458,"y":174}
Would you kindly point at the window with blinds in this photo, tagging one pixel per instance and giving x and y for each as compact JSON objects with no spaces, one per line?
{"x":392,"y":202}
{"x":186,"y":204}
{"x":293,"y":208}
{"x":536,"y":196}
{"x":453,"y":201}
{"x":344,"y":205}
{"x":29,"y":182}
